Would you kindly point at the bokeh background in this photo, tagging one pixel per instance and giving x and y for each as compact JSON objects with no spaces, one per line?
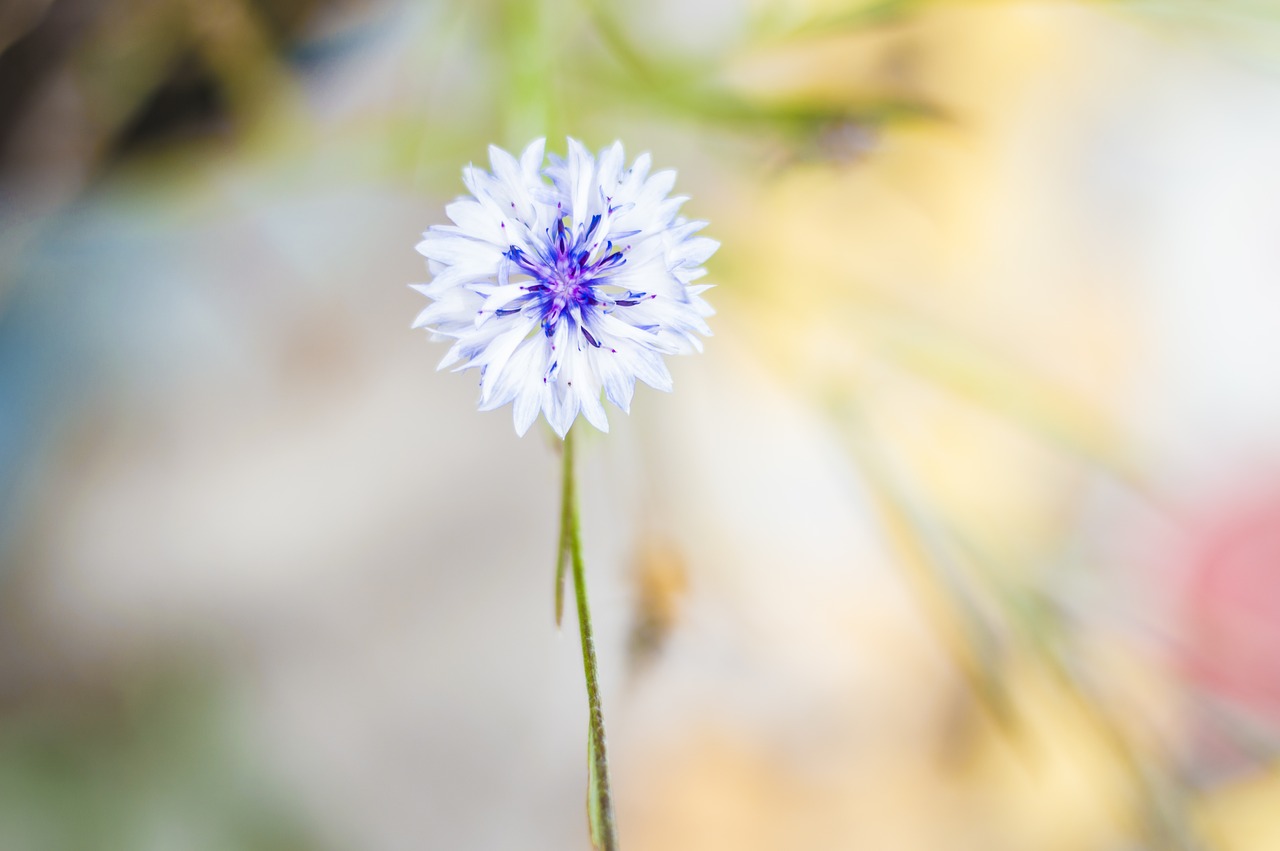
{"x":963,"y":534}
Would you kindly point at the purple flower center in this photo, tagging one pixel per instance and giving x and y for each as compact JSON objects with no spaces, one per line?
{"x":568,"y":274}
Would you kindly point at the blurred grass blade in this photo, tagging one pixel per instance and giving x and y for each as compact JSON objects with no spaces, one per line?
{"x":996,"y":381}
{"x":965,"y":631}
{"x":851,"y":16}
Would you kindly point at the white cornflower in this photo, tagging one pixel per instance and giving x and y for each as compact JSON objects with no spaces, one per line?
{"x":563,"y":281}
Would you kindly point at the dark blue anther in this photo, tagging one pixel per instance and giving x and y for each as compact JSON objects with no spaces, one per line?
{"x":592,"y":340}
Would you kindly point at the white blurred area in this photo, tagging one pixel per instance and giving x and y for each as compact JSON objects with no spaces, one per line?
{"x":231,"y":456}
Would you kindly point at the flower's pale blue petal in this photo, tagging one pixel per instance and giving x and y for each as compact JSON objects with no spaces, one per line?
{"x":622,"y":335}
{"x":496,"y":299}
{"x":453,"y":248}
{"x":528,"y":405}
{"x":500,"y":199}
{"x":581,"y":174}
{"x":470,"y":348}
{"x":634,"y":178}
{"x":647,"y":366}
{"x":702,"y":309}
{"x":694,"y":252}
{"x":560,"y":405}
{"x":619,"y":381}
{"x":609,"y":170}
{"x":517,"y":182}
{"x":682,"y":230}
{"x":506,"y":382}
{"x":438,"y":313}
{"x":650,"y":199}
{"x":498,"y":352}
{"x":652,"y":279}
{"x":506,"y":170}
{"x":562,"y":400}
{"x":454,"y":276}
{"x":531,"y":160}
{"x":653,"y":316}
{"x":588,"y":387}
{"x":477,"y":221}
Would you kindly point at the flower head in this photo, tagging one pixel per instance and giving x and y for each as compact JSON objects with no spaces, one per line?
{"x":562,"y":281}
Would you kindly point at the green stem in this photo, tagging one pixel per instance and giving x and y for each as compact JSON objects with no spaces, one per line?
{"x":604,"y":833}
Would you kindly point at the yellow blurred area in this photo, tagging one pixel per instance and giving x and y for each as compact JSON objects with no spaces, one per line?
{"x":960,"y":535}
{"x":1243,"y":815}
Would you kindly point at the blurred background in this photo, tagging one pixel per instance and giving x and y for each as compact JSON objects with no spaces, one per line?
{"x":963,"y":534}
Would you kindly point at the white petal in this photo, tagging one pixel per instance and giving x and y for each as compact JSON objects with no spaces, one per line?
{"x":435,"y":312}
{"x":461,"y":274}
{"x":498,"y":298}
{"x":499,"y":351}
{"x":610,"y":169}
{"x":531,"y":159}
{"x":588,"y":387}
{"x":511,"y":174}
{"x":471,"y":347}
{"x":682,"y":230}
{"x":655,"y":189}
{"x":520,"y":374}
{"x":615,"y":329}
{"x":694,"y":252}
{"x":454,"y":248}
{"x":634,"y":177}
{"x":527,"y":406}
{"x":648,"y":367}
{"x":561,"y":407}
{"x":581,"y":171}
{"x":477,"y":221}
{"x":504,"y":166}
{"x":618,"y":379}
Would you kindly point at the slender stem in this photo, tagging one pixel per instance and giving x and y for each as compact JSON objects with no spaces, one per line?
{"x":599,"y":797}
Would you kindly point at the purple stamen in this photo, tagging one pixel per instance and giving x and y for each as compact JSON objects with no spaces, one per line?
{"x":565,"y":277}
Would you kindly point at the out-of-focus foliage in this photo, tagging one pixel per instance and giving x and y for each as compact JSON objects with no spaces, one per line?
{"x":123,"y":764}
